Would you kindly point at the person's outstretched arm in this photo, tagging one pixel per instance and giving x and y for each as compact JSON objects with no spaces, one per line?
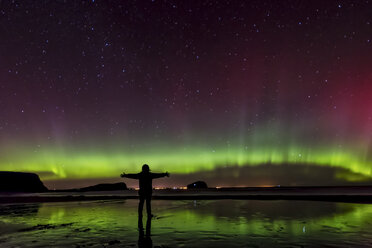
{"x":133,"y":176}
{"x":158,"y":175}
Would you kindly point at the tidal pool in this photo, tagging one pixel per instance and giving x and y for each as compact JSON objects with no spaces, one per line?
{"x":205,"y":223}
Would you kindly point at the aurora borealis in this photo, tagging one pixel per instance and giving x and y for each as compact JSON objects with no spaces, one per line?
{"x":89,"y":89}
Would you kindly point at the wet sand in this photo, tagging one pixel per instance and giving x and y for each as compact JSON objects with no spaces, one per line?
{"x":187,"y":223}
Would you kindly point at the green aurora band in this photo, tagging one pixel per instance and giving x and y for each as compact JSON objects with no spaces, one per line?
{"x":265,"y":145}
{"x":95,"y":164}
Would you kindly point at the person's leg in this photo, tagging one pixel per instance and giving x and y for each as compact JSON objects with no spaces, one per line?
{"x":148,"y":205}
{"x":140,"y":205}
{"x":140,"y":224}
{"x":148,"y":227}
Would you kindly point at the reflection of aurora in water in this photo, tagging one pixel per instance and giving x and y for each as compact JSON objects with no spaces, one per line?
{"x":196,"y":223}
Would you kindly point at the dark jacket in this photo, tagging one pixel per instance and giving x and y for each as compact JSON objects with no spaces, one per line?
{"x":145,"y":181}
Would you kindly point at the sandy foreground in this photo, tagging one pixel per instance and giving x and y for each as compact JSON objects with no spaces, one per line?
{"x":186,"y":223}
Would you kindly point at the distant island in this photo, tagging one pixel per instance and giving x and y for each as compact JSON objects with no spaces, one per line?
{"x":99,"y":187}
{"x":197,"y":185}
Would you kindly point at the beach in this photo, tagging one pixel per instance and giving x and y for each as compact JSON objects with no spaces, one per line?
{"x":184,"y":222}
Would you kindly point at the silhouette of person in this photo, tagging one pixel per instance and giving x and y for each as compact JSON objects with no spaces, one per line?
{"x":145,"y":184}
{"x":144,"y":241}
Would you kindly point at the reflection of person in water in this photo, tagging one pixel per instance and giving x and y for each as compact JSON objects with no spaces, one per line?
{"x":145,"y":184}
{"x":144,"y":240}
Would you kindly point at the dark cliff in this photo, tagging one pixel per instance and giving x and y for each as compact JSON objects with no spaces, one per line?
{"x":20,"y":182}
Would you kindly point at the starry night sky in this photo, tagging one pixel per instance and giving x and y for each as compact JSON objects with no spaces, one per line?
{"x":236,"y":93}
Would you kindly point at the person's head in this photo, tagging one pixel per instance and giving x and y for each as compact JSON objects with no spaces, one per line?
{"x":145,"y":168}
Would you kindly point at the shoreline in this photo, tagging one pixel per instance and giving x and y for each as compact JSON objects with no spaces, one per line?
{"x":325,"y":198}
{"x":354,"y":194}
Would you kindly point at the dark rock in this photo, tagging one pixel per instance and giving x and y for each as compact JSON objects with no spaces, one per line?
{"x":82,"y":230}
{"x":44,"y":227}
{"x":197,"y":185}
{"x":38,"y":227}
{"x":113,"y":242}
{"x":105,"y":187}
{"x":20,"y":182}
